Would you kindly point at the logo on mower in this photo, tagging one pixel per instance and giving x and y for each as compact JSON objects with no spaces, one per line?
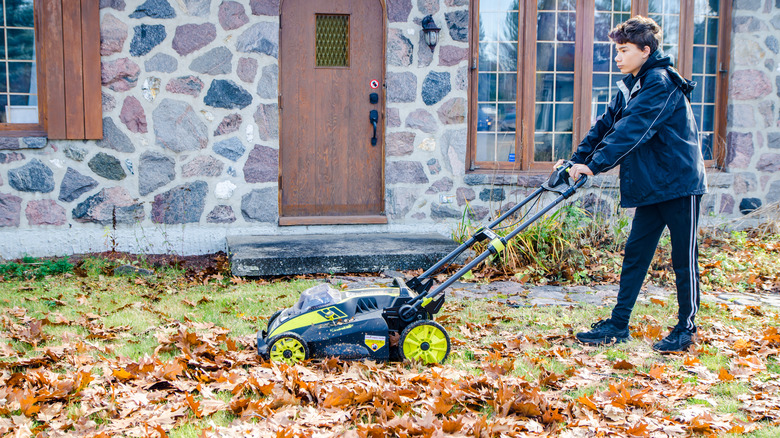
{"x":332,"y":313}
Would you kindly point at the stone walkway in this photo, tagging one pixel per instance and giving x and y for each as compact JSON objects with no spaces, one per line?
{"x":529,"y":295}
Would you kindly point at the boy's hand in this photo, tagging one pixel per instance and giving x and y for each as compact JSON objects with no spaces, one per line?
{"x":558,"y":164}
{"x":579,"y":169}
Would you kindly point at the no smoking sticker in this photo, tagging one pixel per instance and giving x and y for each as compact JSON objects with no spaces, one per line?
{"x":374,"y":84}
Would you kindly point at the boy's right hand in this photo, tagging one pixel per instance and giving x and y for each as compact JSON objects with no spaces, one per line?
{"x":558,"y":164}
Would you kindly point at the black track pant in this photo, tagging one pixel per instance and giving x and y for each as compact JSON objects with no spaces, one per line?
{"x":681,"y":215}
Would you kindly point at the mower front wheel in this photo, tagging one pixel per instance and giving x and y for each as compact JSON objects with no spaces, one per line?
{"x":288,"y":348}
{"x":425,"y":341}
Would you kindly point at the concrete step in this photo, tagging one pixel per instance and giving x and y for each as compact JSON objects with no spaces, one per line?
{"x":256,"y":256}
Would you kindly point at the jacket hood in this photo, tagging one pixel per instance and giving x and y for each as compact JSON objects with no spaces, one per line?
{"x":659,"y":59}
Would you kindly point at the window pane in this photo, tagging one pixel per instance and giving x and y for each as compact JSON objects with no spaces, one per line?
{"x":545,"y":57}
{"x":506,"y":117}
{"x":486,"y":90}
{"x":507,"y":56}
{"x":19,"y":13}
{"x":712,"y":31}
{"x":698,"y":60}
{"x":708,"y":118}
{"x":21,"y":44}
{"x":563,"y":117}
{"x":601,"y":88}
{"x":671,"y":6}
{"x":564,"y":88}
{"x":603,"y":5}
{"x":508,"y":26}
{"x":486,"y":117}
{"x":603,"y":24}
{"x":3,"y":77}
{"x":488,"y":56}
{"x":505,"y":145}
{"x":709,"y":89}
{"x":562,"y":147}
{"x":486,"y":147}
{"x":602,"y":57}
{"x":545,"y":5}
{"x":697,"y":91}
{"x":20,"y":77}
{"x":544,"y":87}
{"x":489,"y":27}
{"x":706,"y":146}
{"x":565,"y":57}
{"x":544,"y":117}
{"x":566,"y":27}
{"x":507,"y":87}
{"x":566,"y":5}
{"x":697,"y":114}
{"x":545,"y":22}
{"x":699,"y":32}
{"x":497,"y":5}
{"x":542,"y":147}
{"x":712,"y":61}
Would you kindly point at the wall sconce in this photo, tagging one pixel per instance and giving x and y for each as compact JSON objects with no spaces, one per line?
{"x":430,"y":31}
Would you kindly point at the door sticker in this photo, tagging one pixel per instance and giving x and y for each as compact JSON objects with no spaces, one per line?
{"x":374,"y":84}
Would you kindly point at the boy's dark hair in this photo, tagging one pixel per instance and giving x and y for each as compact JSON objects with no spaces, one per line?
{"x":640,"y":31}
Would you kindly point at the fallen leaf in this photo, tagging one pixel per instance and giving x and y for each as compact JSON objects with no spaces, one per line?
{"x":724,"y":375}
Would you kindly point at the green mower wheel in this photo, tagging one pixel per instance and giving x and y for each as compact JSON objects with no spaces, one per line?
{"x":288,"y":348}
{"x":425,"y":341}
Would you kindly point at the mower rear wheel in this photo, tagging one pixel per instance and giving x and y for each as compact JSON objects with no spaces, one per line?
{"x":425,"y":341}
{"x":288,"y":348}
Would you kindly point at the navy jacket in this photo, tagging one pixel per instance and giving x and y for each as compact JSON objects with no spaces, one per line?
{"x":650,"y":131}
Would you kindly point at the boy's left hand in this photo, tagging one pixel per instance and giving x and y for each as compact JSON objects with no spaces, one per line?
{"x":579,"y":169}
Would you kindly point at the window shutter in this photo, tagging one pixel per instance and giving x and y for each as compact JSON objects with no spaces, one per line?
{"x":70,"y":34}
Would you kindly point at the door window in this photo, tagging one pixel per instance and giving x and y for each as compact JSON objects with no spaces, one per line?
{"x":332,"y":40}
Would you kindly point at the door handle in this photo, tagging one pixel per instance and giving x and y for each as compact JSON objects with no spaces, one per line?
{"x":373,"y":116}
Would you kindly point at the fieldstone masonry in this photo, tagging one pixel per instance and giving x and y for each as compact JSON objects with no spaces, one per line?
{"x":754,"y":105}
{"x":191,"y":125}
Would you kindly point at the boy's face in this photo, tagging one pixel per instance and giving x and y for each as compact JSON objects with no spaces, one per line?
{"x":630,"y":58}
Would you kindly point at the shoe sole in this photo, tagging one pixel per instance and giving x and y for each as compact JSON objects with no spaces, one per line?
{"x":682,"y":350}
{"x":602,"y":341}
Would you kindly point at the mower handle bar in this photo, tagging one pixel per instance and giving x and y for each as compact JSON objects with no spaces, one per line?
{"x":556,"y":175}
{"x":565,"y":194}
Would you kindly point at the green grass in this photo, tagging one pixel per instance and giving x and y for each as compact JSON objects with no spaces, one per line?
{"x":148,"y":306}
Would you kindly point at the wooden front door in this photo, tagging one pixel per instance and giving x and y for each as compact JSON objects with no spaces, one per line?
{"x":331,"y":61}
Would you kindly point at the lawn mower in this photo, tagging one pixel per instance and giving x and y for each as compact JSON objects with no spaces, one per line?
{"x":389,"y":323}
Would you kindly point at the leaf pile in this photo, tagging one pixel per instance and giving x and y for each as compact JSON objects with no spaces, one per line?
{"x":77,"y":386}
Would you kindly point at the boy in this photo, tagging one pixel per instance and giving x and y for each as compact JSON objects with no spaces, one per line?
{"x":650,"y":131}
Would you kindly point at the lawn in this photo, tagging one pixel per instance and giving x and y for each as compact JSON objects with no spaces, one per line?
{"x":92,"y":354}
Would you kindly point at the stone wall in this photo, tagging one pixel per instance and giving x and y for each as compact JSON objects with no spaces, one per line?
{"x":753,"y":148}
{"x":191,"y":140}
